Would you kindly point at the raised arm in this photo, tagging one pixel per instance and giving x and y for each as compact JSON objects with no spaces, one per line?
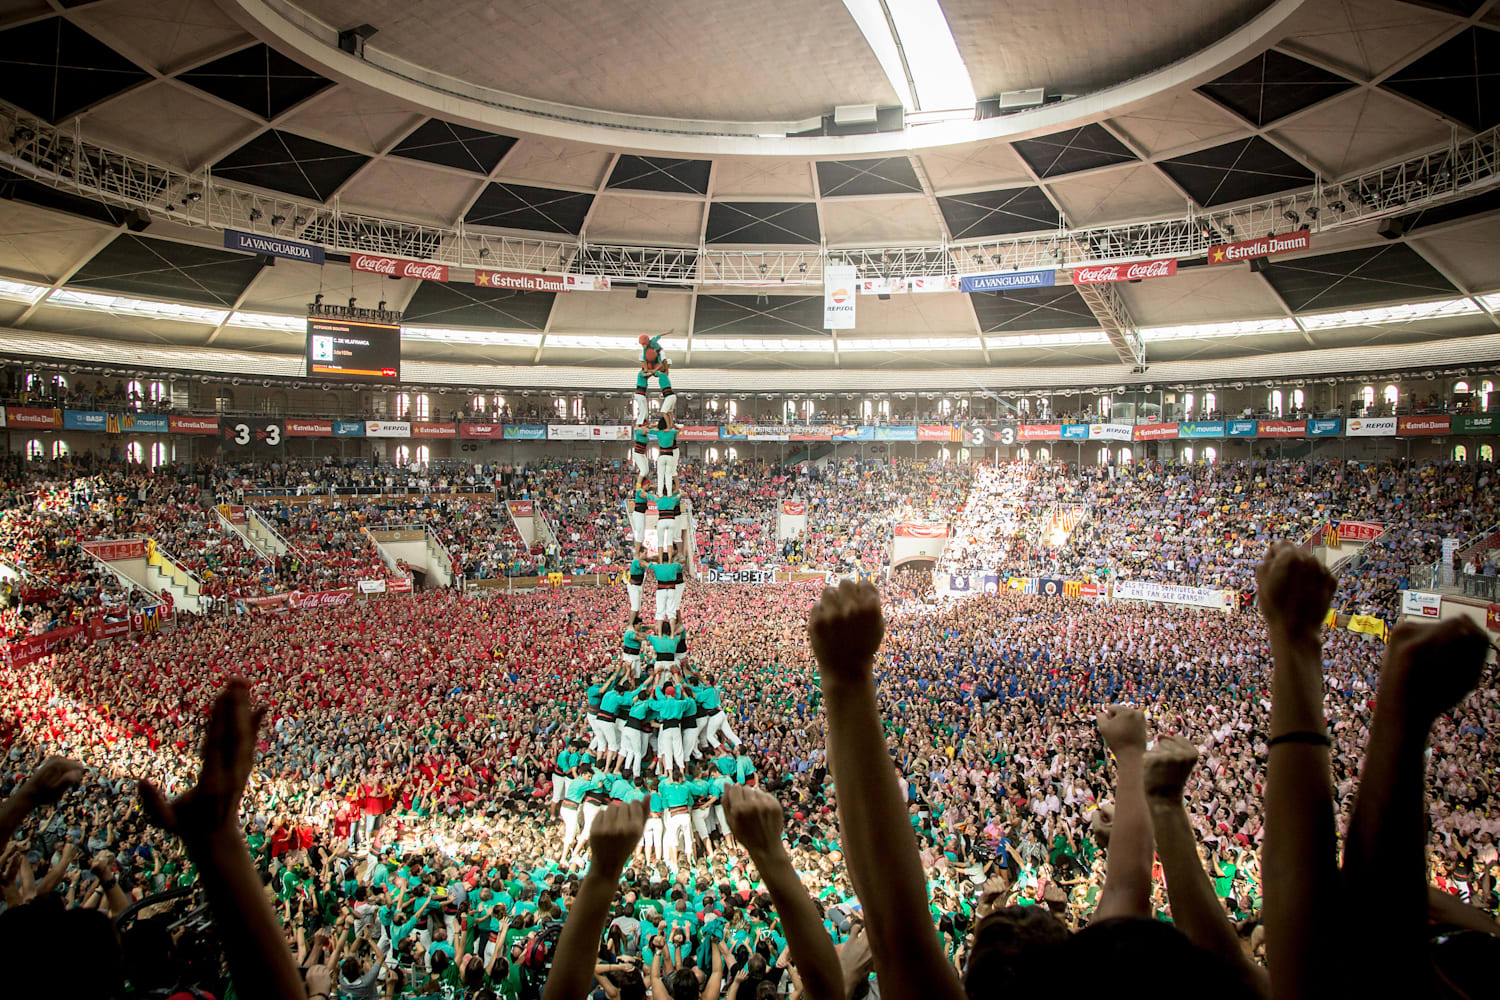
{"x":1298,"y":857}
{"x":206,"y":817}
{"x":1127,"y":879}
{"x":44,"y":787}
{"x":613,"y":837}
{"x":846,"y":628}
{"x":755,"y":819}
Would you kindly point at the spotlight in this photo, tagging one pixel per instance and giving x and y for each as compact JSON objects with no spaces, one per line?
{"x":255,"y":214}
{"x":642,"y":290}
{"x":763,"y":269}
{"x":300,"y":220}
{"x":884,"y":296}
{"x":1291,"y":217}
{"x":277,"y":220}
{"x":484,"y":252}
{"x":318,"y":299}
{"x":1312,"y":211}
{"x":194,"y":195}
{"x":352,"y":300}
{"x":381,"y":307}
{"x":802,"y":267}
{"x":1339,"y":206}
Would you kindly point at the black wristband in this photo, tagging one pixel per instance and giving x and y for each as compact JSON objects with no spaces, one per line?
{"x":1301,"y":736}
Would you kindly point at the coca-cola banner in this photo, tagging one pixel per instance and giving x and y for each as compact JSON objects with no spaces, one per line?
{"x":34,"y":647}
{"x":114,"y":550}
{"x":1099,"y":273}
{"x":794,"y":508}
{"x":396,"y":267}
{"x":921,"y":530}
{"x":1263,"y":246}
{"x":321,"y":598}
{"x":491,"y":432}
{"x":302,"y":427}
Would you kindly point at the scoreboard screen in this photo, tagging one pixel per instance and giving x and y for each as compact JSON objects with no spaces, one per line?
{"x":354,"y":350}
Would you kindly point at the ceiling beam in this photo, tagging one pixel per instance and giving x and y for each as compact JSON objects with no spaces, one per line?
{"x":1452,"y":279}
{"x":1105,"y":302}
{"x":71,"y":270}
{"x":1281,"y":304}
{"x":597,"y":191}
{"x":239,"y":300}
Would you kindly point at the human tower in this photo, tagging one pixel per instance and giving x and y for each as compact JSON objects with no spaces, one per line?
{"x":659,"y":730}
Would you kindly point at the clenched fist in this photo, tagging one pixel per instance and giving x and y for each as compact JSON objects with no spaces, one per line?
{"x":1295,"y":590}
{"x":755,"y":818}
{"x":1123,"y":728}
{"x":845,"y":628}
{"x":1167,"y":766}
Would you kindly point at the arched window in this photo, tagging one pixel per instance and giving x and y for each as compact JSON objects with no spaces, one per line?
{"x":1187,"y":407}
{"x":1210,"y":402}
{"x":158,"y":392}
{"x":1025,"y":405}
{"x":478,"y":404}
{"x":403,"y":406}
{"x":1210,"y":455}
{"x":733,"y":455}
{"x":60,"y":449}
{"x":1273,"y":402}
{"x":561,"y":406}
{"x":1367,"y":395}
{"x":1125,"y":457}
{"x":1104,"y":406}
{"x":945,"y":407}
{"x":158,"y":455}
{"x":33,"y":449}
{"x":1024,"y":454}
{"x":403,"y":455}
{"x":947,"y":455}
{"x":1485,"y":388}
{"x":424,"y":407}
{"x":1460,"y":453}
{"x":1486,"y":453}
{"x":808,"y":409}
{"x":1187,"y":454}
{"x":1104,"y":455}
{"x":731,"y":409}
{"x":885,"y":407}
{"x":1043,"y":455}
{"x":1297,"y":400}
{"x":867,"y":409}
{"x":1460,"y":387}
{"x":1392,"y":396}
{"x":135,"y":453}
{"x":578,"y":409}
{"x":713,"y":455}
{"x":423,"y":453}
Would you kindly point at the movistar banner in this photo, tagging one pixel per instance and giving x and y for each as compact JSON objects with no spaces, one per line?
{"x":896,"y":433}
{"x":1201,"y":429}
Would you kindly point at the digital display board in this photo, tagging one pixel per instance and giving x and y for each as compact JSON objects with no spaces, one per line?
{"x":353,"y":350}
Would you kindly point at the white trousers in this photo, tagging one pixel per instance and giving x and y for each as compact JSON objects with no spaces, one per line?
{"x":679,"y":833}
{"x":632,"y":749}
{"x":663,"y":604}
{"x":719,"y":723}
{"x":638,"y":407}
{"x":669,"y":402}
{"x":590,"y":810}
{"x":605,"y":732}
{"x":666,"y":472}
{"x":635,"y":594}
{"x":653,"y":836}
{"x":666,"y":531}
{"x":558,"y":784}
{"x":596,"y":742}
{"x":671,"y":749}
{"x":674,"y":600}
{"x":642,"y":462}
{"x":570,"y":824}
{"x":700,"y":823}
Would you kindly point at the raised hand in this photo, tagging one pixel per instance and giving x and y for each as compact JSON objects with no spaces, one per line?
{"x":615,"y":834}
{"x":1430,"y":667}
{"x":210,"y":808}
{"x":48,"y":783}
{"x":1168,"y":765}
{"x":1295,"y":590}
{"x":1123,"y":728}
{"x":845,"y":629}
{"x":755,"y":818}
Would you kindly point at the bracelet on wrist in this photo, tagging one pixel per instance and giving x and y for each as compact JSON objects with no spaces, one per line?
{"x":1305,"y":736}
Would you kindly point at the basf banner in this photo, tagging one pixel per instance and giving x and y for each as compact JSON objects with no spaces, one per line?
{"x":839,"y":283}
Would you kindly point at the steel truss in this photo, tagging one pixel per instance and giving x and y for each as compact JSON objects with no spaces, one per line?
{"x":63,"y":159}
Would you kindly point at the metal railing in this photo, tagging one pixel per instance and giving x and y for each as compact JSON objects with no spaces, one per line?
{"x":243,"y":536}
{"x":1479,"y":585}
{"x":62,"y":158}
{"x":176,"y":563}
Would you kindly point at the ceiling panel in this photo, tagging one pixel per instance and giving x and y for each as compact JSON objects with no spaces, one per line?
{"x":1031,"y":309}
{"x":1364,"y":129}
{"x":55,"y":69}
{"x":758,"y":316}
{"x":1362,"y":37}
{"x":259,"y":79}
{"x":542,"y":160}
{"x":175,"y":126}
{"x":1201,"y":295}
{"x":1272,"y":86}
{"x":998,"y":213}
{"x":1082,"y":148}
{"x":882,"y":221}
{"x":292,"y":164}
{"x":113,"y":329}
{"x":1236,"y":171}
{"x":975,"y":165}
{"x":660,"y":173}
{"x":1391,"y":272}
{"x":41,"y":245}
{"x":163,"y":269}
{"x":354,"y":117}
{"x":912,"y":315}
{"x":626,"y":219}
{"x":165,"y":34}
{"x":457,"y":146}
{"x":397,"y":188}
{"x":762,"y":177}
{"x":887,"y":175}
{"x":1111,"y":195}
{"x":454,"y":304}
{"x":619,"y":311}
{"x":762,"y":222}
{"x":521,"y":206}
{"x":1471,"y":254}
{"x":1457,"y":79}
{"x":1175,"y":121}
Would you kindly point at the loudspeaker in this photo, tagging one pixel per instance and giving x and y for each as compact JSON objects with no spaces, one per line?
{"x":1257,"y":264}
{"x":137,"y":220}
{"x":1393,"y":228}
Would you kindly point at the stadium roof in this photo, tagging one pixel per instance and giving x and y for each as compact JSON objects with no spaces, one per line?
{"x":692,"y":147}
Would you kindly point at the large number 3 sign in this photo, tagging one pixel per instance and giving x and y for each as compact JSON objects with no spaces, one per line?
{"x":243,"y":435}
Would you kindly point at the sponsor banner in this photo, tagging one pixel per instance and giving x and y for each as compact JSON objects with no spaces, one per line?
{"x":491,"y":432}
{"x":34,"y":647}
{"x":1409,"y":426}
{"x":29,"y":417}
{"x":520,"y":508}
{"x":321,"y":598}
{"x":2,"y":416}
{"x":1359,"y":531}
{"x":1420,"y":605}
{"x":1371,"y":427}
{"x":1492,"y":617}
{"x":921,"y":530}
{"x":794,"y":508}
{"x":1004,"y":280}
{"x":693,"y":432}
{"x":1100,"y":273}
{"x":839,"y":282}
{"x":895,"y":433}
{"x":882,"y":286}
{"x":399,"y":585}
{"x":273,"y":246}
{"x":611,"y":432}
{"x":1156,"y":432}
{"x":372,"y":586}
{"x":396,"y":267}
{"x":83,"y":420}
{"x":234,"y":513}
{"x":193,"y":425}
{"x":1281,"y":428}
{"x":567,"y":432}
{"x":738,"y":576}
{"x":1324,"y":428}
{"x":1462,"y":424}
{"x":387,"y":428}
{"x":593,"y":432}
{"x":939,"y":432}
{"x":101,"y":627}
{"x":348,"y":428}
{"x":520,"y":281}
{"x":1050,"y":586}
{"x":1075,"y":432}
{"x":945,"y":283}
{"x":586,"y":282}
{"x":525,"y":432}
{"x":1041,"y":432}
{"x":433,"y":429}
{"x":114,"y":550}
{"x":138,"y":423}
{"x":1111,"y":432}
{"x":252,"y":432}
{"x":863,"y":433}
{"x":1264,"y":246}
{"x":300,"y":427}
{"x":1240,"y":428}
{"x":1001,"y":435}
{"x":1162,"y":593}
